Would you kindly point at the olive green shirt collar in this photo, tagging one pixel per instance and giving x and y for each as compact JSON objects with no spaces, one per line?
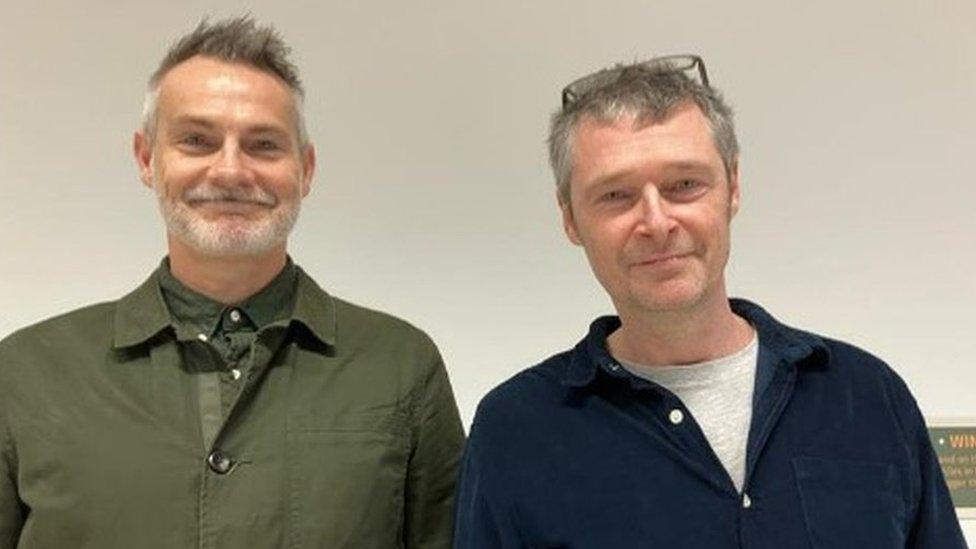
{"x":275,"y":302}
{"x":142,"y":315}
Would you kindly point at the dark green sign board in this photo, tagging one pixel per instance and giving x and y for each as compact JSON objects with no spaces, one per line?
{"x":956,"y":448}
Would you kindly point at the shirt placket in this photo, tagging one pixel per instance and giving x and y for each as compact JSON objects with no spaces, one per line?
{"x":674,"y":419}
{"x":766,"y":413}
{"x":229,"y":356}
{"x":239,"y":337}
{"x":676,"y":428}
{"x":220,"y":463}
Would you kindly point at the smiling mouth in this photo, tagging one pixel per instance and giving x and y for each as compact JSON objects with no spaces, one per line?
{"x":662,"y":260}
{"x":229,"y":206}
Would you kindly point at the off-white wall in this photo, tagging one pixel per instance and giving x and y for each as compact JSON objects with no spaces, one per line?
{"x":433,"y":199}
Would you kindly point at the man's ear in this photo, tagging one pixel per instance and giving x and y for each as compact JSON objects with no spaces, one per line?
{"x":734,"y":192}
{"x":308,"y":168}
{"x":569,"y":223}
{"x":142,"y":150}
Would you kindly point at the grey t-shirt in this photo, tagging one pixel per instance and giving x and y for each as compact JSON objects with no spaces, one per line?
{"x":718,"y":393}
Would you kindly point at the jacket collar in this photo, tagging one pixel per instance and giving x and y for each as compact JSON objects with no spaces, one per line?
{"x":315,"y":309}
{"x":786,"y":345}
{"x":141,"y":315}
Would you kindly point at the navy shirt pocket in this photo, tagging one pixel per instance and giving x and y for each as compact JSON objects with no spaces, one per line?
{"x":851,"y":504}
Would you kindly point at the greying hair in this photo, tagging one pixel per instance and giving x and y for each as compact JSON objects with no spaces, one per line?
{"x":236,"y":40}
{"x":646,"y":92}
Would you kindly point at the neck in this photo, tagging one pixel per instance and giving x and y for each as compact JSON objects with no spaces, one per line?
{"x":225,"y":279}
{"x":705,"y":332}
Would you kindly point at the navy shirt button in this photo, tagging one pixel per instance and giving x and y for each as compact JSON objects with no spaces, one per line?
{"x":676,"y":416}
{"x":746,"y":501}
{"x":219,"y":462}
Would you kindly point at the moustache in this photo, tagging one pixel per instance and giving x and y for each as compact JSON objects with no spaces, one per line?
{"x":206,"y":192}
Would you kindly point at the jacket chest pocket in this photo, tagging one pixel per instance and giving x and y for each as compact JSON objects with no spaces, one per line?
{"x":346,"y":480}
{"x":851,"y":504}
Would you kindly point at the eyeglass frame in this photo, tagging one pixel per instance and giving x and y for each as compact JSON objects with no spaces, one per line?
{"x":569,"y":96}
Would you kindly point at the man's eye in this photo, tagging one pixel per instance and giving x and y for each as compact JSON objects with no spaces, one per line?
{"x":613,"y":196}
{"x":686,"y":186}
{"x":266,"y":145}
{"x":194,"y":140}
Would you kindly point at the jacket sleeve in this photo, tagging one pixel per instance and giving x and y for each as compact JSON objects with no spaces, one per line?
{"x":935,"y":522}
{"x":483,"y":516}
{"x":432,"y":470}
{"x":12,"y":512}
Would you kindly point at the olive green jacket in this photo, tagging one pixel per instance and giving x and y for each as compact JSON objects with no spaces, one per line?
{"x":349,"y":437}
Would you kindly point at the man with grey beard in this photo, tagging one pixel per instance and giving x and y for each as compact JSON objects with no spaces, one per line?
{"x":228,"y":401}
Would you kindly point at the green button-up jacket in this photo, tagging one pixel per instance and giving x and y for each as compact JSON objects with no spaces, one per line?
{"x":347,"y":437}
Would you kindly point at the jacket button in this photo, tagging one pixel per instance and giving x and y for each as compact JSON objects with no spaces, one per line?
{"x":219,"y":462}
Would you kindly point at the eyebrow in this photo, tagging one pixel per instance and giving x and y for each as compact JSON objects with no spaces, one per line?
{"x":681,"y":166}
{"x":267,"y":129}
{"x":688,"y":166}
{"x":191,"y":120}
{"x":670,"y":167}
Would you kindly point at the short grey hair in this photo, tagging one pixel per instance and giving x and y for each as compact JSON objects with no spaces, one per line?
{"x":235,"y":40}
{"x":646,"y":92}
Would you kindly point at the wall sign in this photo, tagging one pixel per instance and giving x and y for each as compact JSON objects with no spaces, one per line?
{"x":954,"y":442}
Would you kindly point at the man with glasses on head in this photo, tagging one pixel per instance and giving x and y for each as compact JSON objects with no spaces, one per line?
{"x":688,"y":419}
{"x":228,"y":402}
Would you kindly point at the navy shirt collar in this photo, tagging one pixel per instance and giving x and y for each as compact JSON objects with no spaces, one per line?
{"x":780,"y":345}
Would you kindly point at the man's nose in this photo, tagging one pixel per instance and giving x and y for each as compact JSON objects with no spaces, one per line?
{"x":230,"y":165}
{"x":656,"y":220}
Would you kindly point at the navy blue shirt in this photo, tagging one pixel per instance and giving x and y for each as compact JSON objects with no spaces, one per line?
{"x":578,"y":453}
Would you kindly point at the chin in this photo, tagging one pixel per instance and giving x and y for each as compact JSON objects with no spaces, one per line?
{"x":671,"y":297}
{"x":232,"y":243}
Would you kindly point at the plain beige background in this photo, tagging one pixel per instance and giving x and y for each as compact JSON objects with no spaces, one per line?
{"x":433,"y":199}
